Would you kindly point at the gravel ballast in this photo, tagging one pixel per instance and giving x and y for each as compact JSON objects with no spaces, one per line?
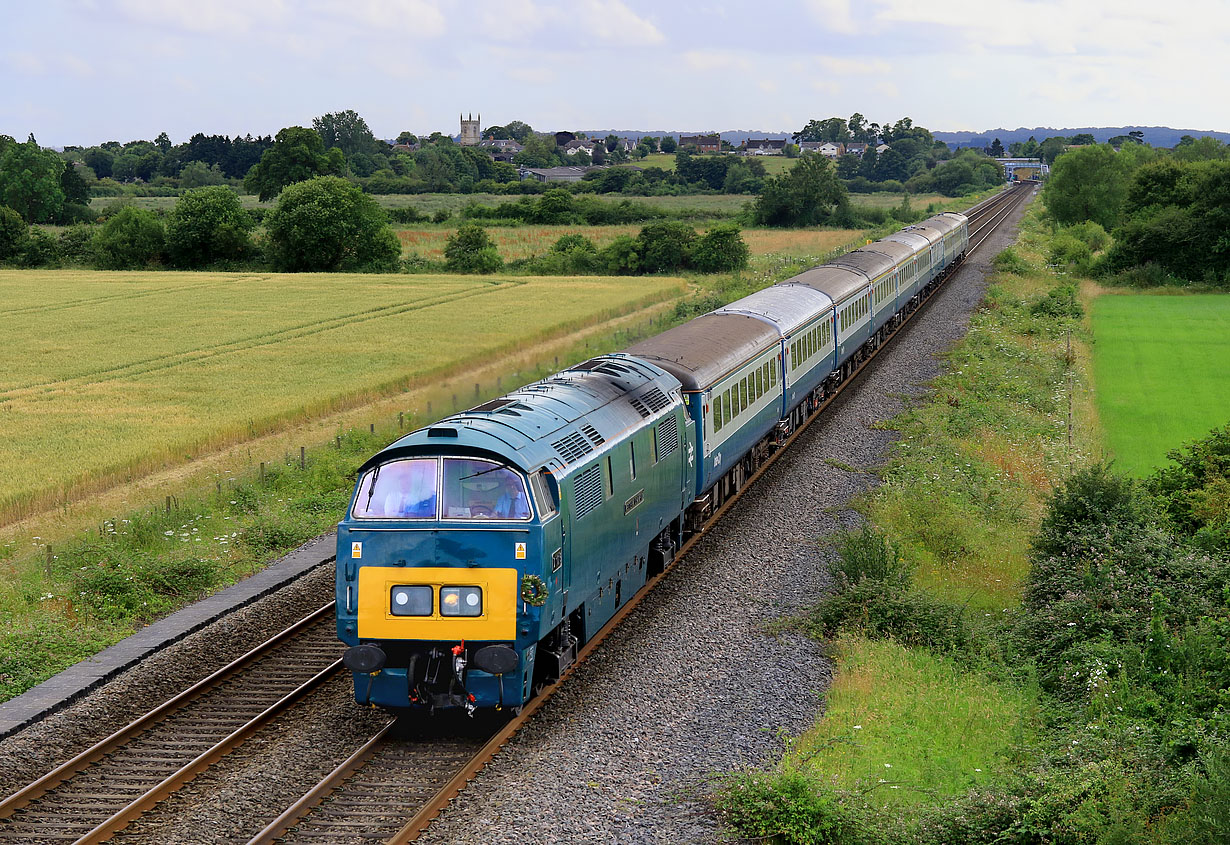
{"x":694,"y":683}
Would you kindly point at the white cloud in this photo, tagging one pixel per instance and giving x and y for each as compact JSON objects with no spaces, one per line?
{"x":614,"y":23}
{"x":533,"y":75}
{"x":834,"y":15}
{"x":508,"y":20}
{"x":214,"y":16}
{"x":705,"y":61}
{"x":413,"y":18}
{"x":854,"y":65}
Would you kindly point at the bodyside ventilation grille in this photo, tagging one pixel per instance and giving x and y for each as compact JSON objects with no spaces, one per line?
{"x":668,"y":437}
{"x":588,"y":490}
{"x":572,"y":447}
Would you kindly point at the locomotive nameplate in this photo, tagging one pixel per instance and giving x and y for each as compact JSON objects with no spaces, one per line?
{"x":637,"y":498}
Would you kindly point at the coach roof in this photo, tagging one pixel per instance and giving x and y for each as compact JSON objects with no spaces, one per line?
{"x":701,"y":351}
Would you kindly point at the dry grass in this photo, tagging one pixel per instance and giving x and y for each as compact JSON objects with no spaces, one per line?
{"x":110,"y":374}
{"x":514,"y":242}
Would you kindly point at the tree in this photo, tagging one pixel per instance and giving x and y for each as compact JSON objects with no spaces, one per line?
{"x":76,"y":191}
{"x":471,"y":250}
{"x":297,"y":154}
{"x":807,"y":195}
{"x":1089,"y":183}
{"x":326,"y":223}
{"x":996,"y":150}
{"x":206,"y":226}
{"x":198,"y":174}
{"x":99,"y":160}
{"x":30,"y":182}
{"x":346,"y":131}
{"x":13,"y":233}
{"x":831,"y":129}
{"x":668,"y":144}
{"x":1082,"y":139}
{"x":130,"y":240}
{"x":538,"y":152}
{"x":407,"y":138}
{"x":163,"y":143}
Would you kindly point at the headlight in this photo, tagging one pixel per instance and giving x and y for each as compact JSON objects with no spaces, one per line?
{"x":411,"y":601}
{"x":461,"y":601}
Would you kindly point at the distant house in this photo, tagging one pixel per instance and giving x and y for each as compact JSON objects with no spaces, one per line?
{"x":407,"y":148}
{"x":501,"y":149}
{"x":501,"y":144}
{"x":882,"y":148}
{"x":705,"y":143}
{"x":626,"y":145}
{"x":574,"y":147}
{"x":856,"y":148}
{"x":554,"y":174}
{"x":764,"y":146}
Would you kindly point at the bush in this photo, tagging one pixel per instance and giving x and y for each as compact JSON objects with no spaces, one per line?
{"x":132,"y":239}
{"x":866,"y":554}
{"x":326,"y":223}
{"x":785,"y":807}
{"x":77,"y":244}
{"x":621,"y":256}
{"x":206,"y":226}
{"x":39,"y":250}
{"x":13,"y":233}
{"x":1090,"y":499}
{"x":665,"y":246}
{"x":720,"y":250}
{"x":573,"y":242}
{"x":886,"y":609}
{"x":471,"y":250}
{"x":1009,"y":261}
{"x":1059,"y":302}
{"x":441,"y":216}
{"x":407,"y":215}
{"x":1070,"y":252}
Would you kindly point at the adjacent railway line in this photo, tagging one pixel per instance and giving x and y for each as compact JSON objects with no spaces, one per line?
{"x":389,"y":789}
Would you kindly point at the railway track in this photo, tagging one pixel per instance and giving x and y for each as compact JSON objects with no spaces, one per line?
{"x":103,"y":789}
{"x":390,"y":789}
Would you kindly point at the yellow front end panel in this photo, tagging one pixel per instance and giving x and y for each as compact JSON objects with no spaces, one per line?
{"x":376,"y":619}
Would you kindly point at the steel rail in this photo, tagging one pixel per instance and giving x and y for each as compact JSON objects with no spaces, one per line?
{"x":993,"y":211}
{"x":106,"y":746}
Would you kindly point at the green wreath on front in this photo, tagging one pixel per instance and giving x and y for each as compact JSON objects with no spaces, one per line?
{"x":533,"y":590}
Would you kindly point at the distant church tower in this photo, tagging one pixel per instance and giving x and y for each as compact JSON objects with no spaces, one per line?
{"x":469,"y":131}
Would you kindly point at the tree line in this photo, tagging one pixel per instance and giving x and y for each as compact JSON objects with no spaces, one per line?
{"x":1155,"y":216}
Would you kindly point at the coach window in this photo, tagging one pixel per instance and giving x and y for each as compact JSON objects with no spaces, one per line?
{"x":743,"y":394}
{"x":725,"y":407}
{"x":717,"y":413}
{"x":773,"y":371}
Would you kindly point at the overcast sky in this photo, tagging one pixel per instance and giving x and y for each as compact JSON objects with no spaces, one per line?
{"x":86,"y":71}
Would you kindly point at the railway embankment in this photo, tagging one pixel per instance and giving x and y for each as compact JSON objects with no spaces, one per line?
{"x":1028,"y":644}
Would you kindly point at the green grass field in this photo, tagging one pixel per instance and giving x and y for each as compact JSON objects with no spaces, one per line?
{"x":1162,"y":369}
{"x":107,"y":373}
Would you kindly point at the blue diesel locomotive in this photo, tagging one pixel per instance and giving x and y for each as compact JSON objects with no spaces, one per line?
{"x":479,"y":554}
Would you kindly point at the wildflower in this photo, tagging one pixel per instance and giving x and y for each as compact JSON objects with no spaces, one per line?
{"x":888,"y":765}
{"x":858,"y":727}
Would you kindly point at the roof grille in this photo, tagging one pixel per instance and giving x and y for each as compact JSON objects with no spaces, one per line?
{"x":639,"y":405}
{"x":592,"y":433}
{"x":493,"y":405}
{"x":655,"y":399}
{"x":572,"y":446}
{"x":587,"y":490}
